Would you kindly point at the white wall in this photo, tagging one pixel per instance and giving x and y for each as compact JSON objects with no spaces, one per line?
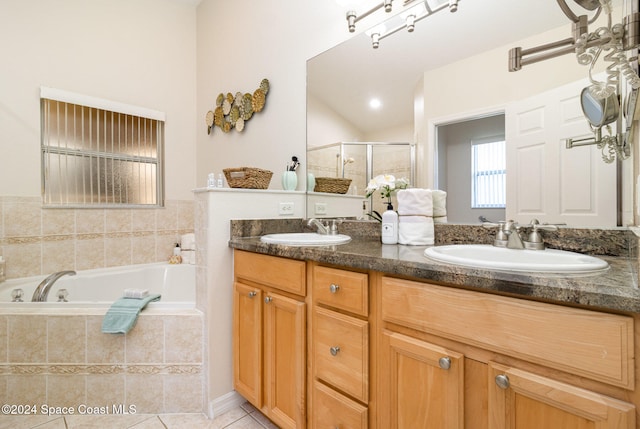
{"x":243,"y":41}
{"x":140,"y":52}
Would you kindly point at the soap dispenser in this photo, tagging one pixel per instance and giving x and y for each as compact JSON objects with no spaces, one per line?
{"x":389,"y":226}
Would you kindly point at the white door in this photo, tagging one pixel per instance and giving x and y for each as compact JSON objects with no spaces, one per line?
{"x":547,"y":181}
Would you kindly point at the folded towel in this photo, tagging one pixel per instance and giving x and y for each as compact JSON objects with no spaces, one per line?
{"x":415,"y":201}
{"x":440,"y":219}
{"x":136,"y":293}
{"x":123,"y":314}
{"x":439,"y":203}
{"x":188,"y":241}
{"x":416,"y":230}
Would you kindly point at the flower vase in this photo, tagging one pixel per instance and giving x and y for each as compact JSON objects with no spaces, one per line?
{"x":289,"y":180}
{"x":389,"y":226}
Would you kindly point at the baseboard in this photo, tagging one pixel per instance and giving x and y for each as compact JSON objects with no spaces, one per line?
{"x":224,"y":403}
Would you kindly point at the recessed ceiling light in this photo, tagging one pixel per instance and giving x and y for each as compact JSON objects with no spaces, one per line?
{"x":375,"y":103}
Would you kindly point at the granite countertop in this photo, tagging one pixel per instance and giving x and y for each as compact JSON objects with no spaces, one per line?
{"x":615,"y":289}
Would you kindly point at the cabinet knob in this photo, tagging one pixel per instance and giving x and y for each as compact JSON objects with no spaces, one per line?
{"x":502,"y":381}
{"x":444,"y":362}
{"x":334,"y":350}
{"x":267,"y":299}
{"x":252,"y":294}
{"x":334,"y":288}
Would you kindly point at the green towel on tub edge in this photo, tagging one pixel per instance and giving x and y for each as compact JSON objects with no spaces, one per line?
{"x":123,"y":314}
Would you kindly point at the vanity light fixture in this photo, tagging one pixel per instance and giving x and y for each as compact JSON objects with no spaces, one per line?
{"x":415,"y":10}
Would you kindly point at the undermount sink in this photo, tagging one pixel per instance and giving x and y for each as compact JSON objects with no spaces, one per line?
{"x":550,"y":261}
{"x":305,"y":239}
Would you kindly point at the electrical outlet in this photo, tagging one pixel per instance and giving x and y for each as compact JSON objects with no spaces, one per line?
{"x":321,"y":208}
{"x":286,"y":209}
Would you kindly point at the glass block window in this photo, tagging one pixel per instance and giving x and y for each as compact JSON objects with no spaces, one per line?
{"x":488,"y":174}
{"x":98,"y":153}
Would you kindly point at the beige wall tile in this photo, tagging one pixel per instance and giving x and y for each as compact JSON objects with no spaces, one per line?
{"x":183,"y":339}
{"x":145,"y":342}
{"x":4,"y":347}
{"x":4,"y":394}
{"x":23,"y":260}
{"x":118,"y":220}
{"x":167,"y":218}
{"x":117,"y":251}
{"x":66,"y":390}
{"x":186,"y":215}
{"x":143,"y":219}
{"x":27,"y":389}
{"x":27,"y":338}
{"x":103,"y":348}
{"x":143,"y":249}
{"x":22,"y":219}
{"x":105,"y":389}
{"x":58,"y":256}
{"x":165,"y":242}
{"x":90,"y":254}
{"x":90,"y":221}
{"x":58,"y":221}
{"x":66,"y":339}
{"x":183,"y":393}
{"x":145,"y":392}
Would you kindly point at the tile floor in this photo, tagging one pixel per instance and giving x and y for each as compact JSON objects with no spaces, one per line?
{"x":243,"y":417}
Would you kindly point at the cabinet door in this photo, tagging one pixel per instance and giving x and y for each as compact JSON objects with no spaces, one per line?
{"x":422,"y":385}
{"x":523,"y":400}
{"x":247,"y":342}
{"x":285,"y":360}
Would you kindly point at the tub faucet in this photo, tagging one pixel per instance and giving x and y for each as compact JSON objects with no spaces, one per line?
{"x":322,"y":228}
{"x":42,"y":291}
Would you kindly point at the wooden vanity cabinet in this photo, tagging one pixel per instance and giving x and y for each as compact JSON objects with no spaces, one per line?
{"x":269,"y":324}
{"x":462,"y":359}
{"x":339,"y":348}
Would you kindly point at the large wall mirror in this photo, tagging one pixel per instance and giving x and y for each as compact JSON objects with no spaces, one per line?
{"x":453,"y":69}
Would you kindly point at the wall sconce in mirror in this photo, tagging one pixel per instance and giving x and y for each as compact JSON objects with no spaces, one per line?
{"x":413,"y":11}
{"x":601,"y":100}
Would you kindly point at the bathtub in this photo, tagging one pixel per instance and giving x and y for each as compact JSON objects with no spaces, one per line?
{"x":99,"y":288}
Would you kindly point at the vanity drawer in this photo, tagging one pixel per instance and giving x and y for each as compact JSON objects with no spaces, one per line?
{"x":588,"y":343}
{"x":345,"y":290}
{"x":333,"y":410}
{"x":280,"y":273}
{"x":341,"y":352}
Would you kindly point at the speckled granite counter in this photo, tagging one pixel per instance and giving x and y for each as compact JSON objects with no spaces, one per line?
{"x":615,"y":289}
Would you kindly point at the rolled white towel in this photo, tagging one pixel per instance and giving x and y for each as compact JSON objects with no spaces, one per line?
{"x":439,"y":203}
{"x":136,"y":293}
{"x":415,"y":201}
{"x":440,"y":219}
{"x":188,"y":242}
{"x":416,"y":230}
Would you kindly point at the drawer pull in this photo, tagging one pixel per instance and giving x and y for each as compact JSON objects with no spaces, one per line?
{"x":267,"y":299}
{"x":334,"y":350}
{"x":444,"y":362}
{"x":334,"y":288}
{"x":502,"y":381}
{"x":252,"y":294}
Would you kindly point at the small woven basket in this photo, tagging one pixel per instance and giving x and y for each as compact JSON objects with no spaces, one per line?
{"x":332,"y":185}
{"x":248,"y":177}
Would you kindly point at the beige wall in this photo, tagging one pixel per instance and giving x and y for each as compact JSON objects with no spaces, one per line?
{"x":140,"y":52}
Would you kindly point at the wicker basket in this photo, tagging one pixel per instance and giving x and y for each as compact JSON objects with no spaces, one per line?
{"x":248,"y":177}
{"x":332,"y":185}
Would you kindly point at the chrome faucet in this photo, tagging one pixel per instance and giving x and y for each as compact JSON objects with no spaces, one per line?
{"x":42,"y":291}
{"x":321,"y":227}
{"x":512,"y":231}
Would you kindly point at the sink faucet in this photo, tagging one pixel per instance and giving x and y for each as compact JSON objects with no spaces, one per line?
{"x":514,"y":241}
{"x":322,"y":228}
{"x":42,"y":291}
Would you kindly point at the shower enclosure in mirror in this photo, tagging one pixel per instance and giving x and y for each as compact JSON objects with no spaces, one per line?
{"x":362,"y":161}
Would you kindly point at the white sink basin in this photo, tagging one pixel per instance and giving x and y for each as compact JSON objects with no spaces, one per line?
{"x":502,"y":259}
{"x":305,"y":239}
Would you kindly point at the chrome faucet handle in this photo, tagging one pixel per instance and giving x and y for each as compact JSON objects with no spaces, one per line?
{"x":501,"y":238}
{"x":534,"y":241}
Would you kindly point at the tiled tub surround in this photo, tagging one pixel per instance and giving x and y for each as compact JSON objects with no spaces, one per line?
{"x":56,"y":359}
{"x":37,"y":241}
{"x":615,"y":289}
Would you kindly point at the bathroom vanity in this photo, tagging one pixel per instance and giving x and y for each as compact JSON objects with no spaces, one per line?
{"x":365,"y":335}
